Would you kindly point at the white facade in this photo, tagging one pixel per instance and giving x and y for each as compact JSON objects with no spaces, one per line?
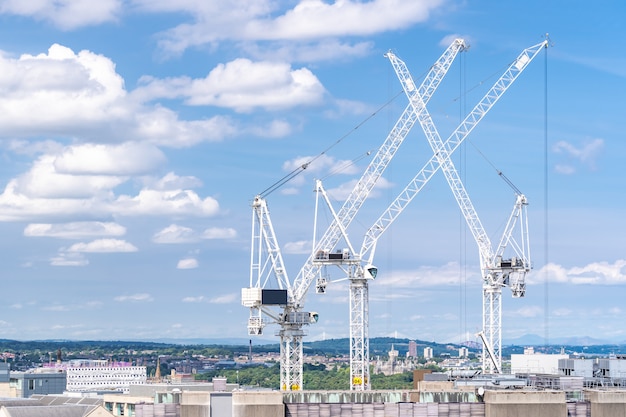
{"x":536,"y":363}
{"x":463,"y":352}
{"x":101,"y":375}
{"x":612,"y":368}
{"x":577,"y":367}
{"x":428,"y":353}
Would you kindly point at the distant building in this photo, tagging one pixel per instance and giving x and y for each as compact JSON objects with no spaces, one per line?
{"x":463,"y":352}
{"x":4,"y":372}
{"x":40,"y":381}
{"x":52,"y":405}
{"x":531,"y":362}
{"x":412,"y":348}
{"x":88,"y":375}
{"x":102,"y":375}
{"x":428,"y":352}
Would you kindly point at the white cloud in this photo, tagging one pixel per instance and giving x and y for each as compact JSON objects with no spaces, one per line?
{"x":241,"y":85}
{"x":69,"y":259}
{"x":59,"y":91}
{"x":224,"y":299}
{"x":119,"y":160}
{"x":342,"y":192}
{"x":427,"y":276}
{"x":274,"y":129}
{"x":194,"y":299}
{"x":219,"y":233}
{"x":299,"y":247}
{"x":562,"y":312}
{"x":103,"y":246}
{"x":587,"y":153}
{"x":155,"y":202}
{"x":163,"y":127}
{"x":596,"y":273}
{"x":564,"y":169}
{"x":74,"y":230}
{"x":134,"y":297}
{"x":46,"y":191}
{"x":188,"y":263}
{"x":320,"y":164}
{"x":81,"y":95}
{"x":44,"y":181}
{"x":66,"y":14}
{"x":308,"y":51}
{"x":180,"y":234}
{"x":175,"y":234}
{"x":527,"y":312}
{"x":171,"y":181}
{"x":307,"y":20}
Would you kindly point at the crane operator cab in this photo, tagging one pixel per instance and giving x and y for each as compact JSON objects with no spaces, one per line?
{"x":370,"y":271}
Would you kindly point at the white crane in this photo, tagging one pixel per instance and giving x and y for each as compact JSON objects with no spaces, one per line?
{"x":268,"y":261}
{"x":267,"y":265}
{"x":496,"y":271}
{"x":359,"y":269}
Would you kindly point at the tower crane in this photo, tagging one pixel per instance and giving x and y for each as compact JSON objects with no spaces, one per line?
{"x":450,"y":145}
{"x":267,"y":264}
{"x":496,"y":270}
{"x":360,"y":268}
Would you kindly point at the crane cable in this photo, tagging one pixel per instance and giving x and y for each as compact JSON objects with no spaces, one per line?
{"x":296,"y":171}
{"x":545,"y":185}
{"x":499,"y":172}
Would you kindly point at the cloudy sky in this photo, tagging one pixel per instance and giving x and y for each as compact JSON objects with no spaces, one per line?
{"x":134,"y":135}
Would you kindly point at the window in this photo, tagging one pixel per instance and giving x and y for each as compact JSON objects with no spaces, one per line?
{"x":31,"y":384}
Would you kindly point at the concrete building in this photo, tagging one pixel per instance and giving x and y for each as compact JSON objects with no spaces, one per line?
{"x":39,"y":381}
{"x":429,"y":398}
{"x":463,"y":352}
{"x":428,"y":353}
{"x":5,"y":369}
{"x":102,"y":375}
{"x":577,"y":367}
{"x":50,"y":405}
{"x":613,"y":368}
{"x":412,"y":352}
{"x":173,"y":400}
{"x":531,"y":362}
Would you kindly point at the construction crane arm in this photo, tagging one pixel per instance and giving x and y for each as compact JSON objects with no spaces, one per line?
{"x":447,"y":148}
{"x":373,"y":172}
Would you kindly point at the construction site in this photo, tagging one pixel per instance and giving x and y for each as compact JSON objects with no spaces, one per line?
{"x":274,"y":299}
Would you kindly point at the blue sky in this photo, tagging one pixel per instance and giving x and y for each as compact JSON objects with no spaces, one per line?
{"x":134,"y":135}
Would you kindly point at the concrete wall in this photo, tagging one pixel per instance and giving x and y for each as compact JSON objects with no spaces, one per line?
{"x":258,"y":404}
{"x":334,"y":397}
{"x":526,"y":403}
{"x":607,"y":403}
{"x":195,"y":404}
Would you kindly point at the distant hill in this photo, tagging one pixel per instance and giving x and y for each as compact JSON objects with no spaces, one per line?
{"x":231,"y":341}
{"x":535,"y":340}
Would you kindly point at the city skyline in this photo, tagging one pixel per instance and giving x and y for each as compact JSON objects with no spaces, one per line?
{"x":135,"y":135}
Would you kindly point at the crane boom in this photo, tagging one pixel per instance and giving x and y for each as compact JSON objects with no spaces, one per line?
{"x":374,"y":170}
{"x":449,"y":146}
{"x":495,"y":271}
